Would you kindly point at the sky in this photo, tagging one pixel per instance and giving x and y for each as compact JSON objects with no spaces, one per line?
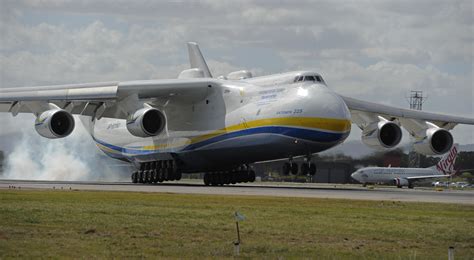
{"x":372,"y":50}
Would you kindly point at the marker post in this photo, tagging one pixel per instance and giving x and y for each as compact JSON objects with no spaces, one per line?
{"x":238,"y":217}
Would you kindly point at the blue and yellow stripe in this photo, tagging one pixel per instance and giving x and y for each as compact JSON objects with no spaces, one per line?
{"x":321,"y":130}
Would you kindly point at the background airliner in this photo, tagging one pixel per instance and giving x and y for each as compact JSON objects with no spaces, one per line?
{"x":197,"y":123}
{"x":407,"y":176}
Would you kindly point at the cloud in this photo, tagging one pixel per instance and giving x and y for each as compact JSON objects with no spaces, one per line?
{"x":373,"y":50}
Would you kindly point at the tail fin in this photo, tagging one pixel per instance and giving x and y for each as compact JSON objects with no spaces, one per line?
{"x":197,"y":60}
{"x":446,"y":164}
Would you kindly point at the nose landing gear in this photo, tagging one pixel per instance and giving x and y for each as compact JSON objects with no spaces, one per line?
{"x":306,"y":168}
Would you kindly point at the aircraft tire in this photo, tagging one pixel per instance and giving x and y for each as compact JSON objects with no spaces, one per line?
{"x":227,"y":178}
{"x":140,"y":176}
{"x":213,"y":179}
{"x":179,"y":175}
{"x":286,"y":168}
{"x":155,"y":176}
{"x":245,"y":176}
{"x":206,"y":179}
{"x":304,"y":169}
{"x":233,"y":177}
{"x":251,"y":176}
{"x":161,"y":175}
{"x":220,"y":178}
{"x":294,"y":168}
{"x":134,"y":177}
{"x":312,"y":169}
{"x":147,"y":176}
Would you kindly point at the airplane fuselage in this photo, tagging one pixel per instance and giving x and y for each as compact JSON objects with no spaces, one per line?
{"x":388,"y":175}
{"x":245,"y":121}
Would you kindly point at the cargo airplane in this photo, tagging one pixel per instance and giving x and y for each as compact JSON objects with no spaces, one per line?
{"x":407,"y":176}
{"x":218,"y":126}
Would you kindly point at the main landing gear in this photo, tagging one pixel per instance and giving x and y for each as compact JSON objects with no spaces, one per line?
{"x":157,"y":171}
{"x":306,"y":168}
{"x":241,"y":174}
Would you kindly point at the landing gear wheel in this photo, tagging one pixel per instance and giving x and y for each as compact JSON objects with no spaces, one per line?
{"x":161,"y":175}
{"x":312,"y":169}
{"x":251,"y":176}
{"x":134,"y":177}
{"x":410,"y":185}
{"x":233,"y":177}
{"x":304,"y":169}
{"x":207,"y":179}
{"x":294,"y":168}
{"x":178,"y":175}
{"x":148,"y":176}
{"x":213,"y":178}
{"x":286,"y":168}
{"x":154,"y":176}
{"x":140,"y":177}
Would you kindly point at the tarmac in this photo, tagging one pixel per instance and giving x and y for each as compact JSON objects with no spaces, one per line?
{"x":309,"y":190}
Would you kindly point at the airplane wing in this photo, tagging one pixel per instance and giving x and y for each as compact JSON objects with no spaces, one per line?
{"x":443,"y":121}
{"x":105,"y":99}
{"x":418,"y":178}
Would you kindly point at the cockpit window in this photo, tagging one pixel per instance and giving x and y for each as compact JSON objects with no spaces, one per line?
{"x":314,"y":78}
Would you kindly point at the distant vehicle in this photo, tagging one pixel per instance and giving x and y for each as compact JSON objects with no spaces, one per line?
{"x":440,"y":184}
{"x":461,"y":184}
{"x":407,"y":176}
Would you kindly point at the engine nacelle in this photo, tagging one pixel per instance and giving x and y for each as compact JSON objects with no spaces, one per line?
{"x":146,"y":122}
{"x":400,"y":182}
{"x":382,"y":135}
{"x":54,"y":123}
{"x":241,"y":74}
{"x":436,"y":141}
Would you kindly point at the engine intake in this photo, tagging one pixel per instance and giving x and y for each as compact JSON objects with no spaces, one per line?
{"x":146,"y":122}
{"x":436,"y":141}
{"x":382,"y":135}
{"x":54,"y":123}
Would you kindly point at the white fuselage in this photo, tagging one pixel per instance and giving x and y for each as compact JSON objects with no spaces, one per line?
{"x":263,"y":118}
{"x":388,"y":175}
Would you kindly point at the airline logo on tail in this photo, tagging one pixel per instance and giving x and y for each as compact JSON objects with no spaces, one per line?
{"x":446,"y":164}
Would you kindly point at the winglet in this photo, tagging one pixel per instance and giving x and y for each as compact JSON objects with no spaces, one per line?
{"x":197,"y":60}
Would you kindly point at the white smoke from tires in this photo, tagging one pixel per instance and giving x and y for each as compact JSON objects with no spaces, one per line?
{"x":74,"y":158}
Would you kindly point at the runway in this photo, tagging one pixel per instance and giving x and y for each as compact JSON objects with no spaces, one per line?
{"x":330,"y":191}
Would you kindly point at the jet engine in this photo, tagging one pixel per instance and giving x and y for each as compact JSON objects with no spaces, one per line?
{"x":381,"y":135}
{"x":146,"y":122}
{"x":435,"y":141}
{"x":401,"y":182}
{"x":54,"y":123}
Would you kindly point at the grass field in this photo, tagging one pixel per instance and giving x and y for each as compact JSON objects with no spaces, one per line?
{"x":74,"y":224}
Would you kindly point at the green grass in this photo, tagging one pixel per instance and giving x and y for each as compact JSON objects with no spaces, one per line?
{"x":76,"y":224}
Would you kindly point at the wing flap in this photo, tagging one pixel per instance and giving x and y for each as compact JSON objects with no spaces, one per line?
{"x":75,"y":94}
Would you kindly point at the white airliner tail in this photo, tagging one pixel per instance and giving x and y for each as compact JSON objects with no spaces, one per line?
{"x":197,"y":60}
{"x":445,"y":166}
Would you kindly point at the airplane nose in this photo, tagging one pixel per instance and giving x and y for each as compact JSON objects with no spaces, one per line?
{"x":356,"y":176}
{"x":325,"y":103}
{"x":335,"y":105}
